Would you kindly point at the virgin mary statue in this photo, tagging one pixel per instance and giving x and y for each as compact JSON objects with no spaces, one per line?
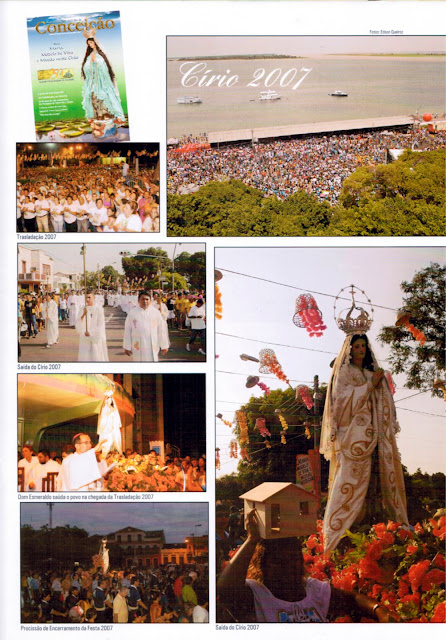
{"x":358,"y":437}
{"x":100,"y":91}
{"x":109,"y":425}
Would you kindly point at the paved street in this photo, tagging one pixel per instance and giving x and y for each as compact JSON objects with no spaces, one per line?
{"x":34,"y":349}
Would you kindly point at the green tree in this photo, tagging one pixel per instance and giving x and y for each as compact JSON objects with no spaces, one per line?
{"x":406,"y":197}
{"x":193,"y":267}
{"x":277,"y":464}
{"x":424,"y":299}
{"x":137,"y":266}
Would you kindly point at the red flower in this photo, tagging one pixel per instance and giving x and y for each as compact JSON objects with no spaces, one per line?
{"x":434,"y":577}
{"x":411,"y":548}
{"x":380,"y":529}
{"x":439,"y":613}
{"x":368,"y":568}
{"x":442,"y":521}
{"x":319,"y":548}
{"x":387,"y":539}
{"x":439,"y":561}
{"x":393,"y":526}
{"x":311,"y":542}
{"x":343,"y":619}
{"x":376,"y":590}
{"x":412,"y":597}
{"x":403,"y":534}
{"x":374,"y":550}
{"x":419,"y":529}
{"x":440,"y":533}
{"x":417,"y":573}
{"x":420,"y":619}
{"x":403,"y":588}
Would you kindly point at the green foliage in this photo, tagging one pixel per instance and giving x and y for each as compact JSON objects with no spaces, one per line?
{"x":404,"y":198}
{"x":193,"y":268}
{"x":277,"y":464}
{"x":135,"y":268}
{"x":424,"y":298}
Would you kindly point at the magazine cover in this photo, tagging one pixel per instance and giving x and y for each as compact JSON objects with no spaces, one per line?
{"x":78,"y":77}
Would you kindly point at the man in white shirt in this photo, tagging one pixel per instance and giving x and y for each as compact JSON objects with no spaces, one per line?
{"x":40,"y":471}
{"x":70,"y":210}
{"x":90,"y":326}
{"x":197,"y":317}
{"x":98,"y":215}
{"x":145,"y":332}
{"x":28,"y":209}
{"x":42,"y":211}
{"x":120,"y":608}
{"x":27,"y":463}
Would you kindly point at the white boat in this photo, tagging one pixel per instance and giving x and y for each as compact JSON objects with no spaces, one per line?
{"x":339,"y":94}
{"x":269,"y":95}
{"x":189,"y":100}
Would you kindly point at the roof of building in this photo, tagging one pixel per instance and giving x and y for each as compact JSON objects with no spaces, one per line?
{"x":269,"y":489}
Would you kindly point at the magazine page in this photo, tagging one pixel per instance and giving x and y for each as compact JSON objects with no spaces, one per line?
{"x":208,"y":428}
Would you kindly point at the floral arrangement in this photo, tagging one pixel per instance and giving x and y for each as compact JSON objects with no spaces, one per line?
{"x":417,"y":334}
{"x":309,"y":316}
{"x":233,"y":449}
{"x":304,"y":392}
{"x":261,"y":426}
{"x":270,"y":364}
{"x":402,"y":569}
{"x":218,"y":303}
{"x":98,"y":561}
{"x":264,"y":388}
{"x":140,"y":473}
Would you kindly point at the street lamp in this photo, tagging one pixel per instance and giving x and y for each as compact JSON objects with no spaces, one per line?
{"x":245,"y":357}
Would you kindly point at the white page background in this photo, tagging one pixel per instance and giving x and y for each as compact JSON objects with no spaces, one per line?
{"x":145,"y":25}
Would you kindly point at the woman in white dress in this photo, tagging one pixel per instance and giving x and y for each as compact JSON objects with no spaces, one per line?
{"x":358,"y":437}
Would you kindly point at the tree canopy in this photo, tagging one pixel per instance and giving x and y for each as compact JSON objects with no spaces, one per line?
{"x":404,"y":198}
{"x":425,"y":300}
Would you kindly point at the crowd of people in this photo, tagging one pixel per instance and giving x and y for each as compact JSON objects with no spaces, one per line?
{"x":79,"y":466}
{"x":87,"y":199}
{"x":316,"y":164}
{"x":149,"y":318}
{"x":167,"y":594}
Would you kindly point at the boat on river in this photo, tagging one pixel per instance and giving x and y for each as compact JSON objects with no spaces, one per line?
{"x":189,"y":100}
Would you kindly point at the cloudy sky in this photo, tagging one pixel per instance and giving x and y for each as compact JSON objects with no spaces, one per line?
{"x":178,"y":520}
{"x":301,"y":45}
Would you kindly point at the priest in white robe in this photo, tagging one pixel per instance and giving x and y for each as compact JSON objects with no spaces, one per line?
{"x":90,"y":326}
{"x":145,"y":332}
{"x":40,"y":471}
{"x":72,"y":309}
{"x":27,"y":463}
{"x":80,"y":471}
{"x":50,"y":312}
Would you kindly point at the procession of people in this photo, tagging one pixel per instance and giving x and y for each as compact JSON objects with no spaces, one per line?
{"x":151,"y":317}
{"x":167,"y":594}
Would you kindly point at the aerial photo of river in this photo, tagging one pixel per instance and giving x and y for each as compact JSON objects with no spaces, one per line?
{"x":377,"y":85}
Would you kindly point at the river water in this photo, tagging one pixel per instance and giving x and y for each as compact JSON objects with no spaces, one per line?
{"x":376,"y":86}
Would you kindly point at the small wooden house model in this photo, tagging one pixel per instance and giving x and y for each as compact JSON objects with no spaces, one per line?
{"x":283,"y":509}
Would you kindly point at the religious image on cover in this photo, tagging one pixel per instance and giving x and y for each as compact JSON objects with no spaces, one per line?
{"x":78,"y":79}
